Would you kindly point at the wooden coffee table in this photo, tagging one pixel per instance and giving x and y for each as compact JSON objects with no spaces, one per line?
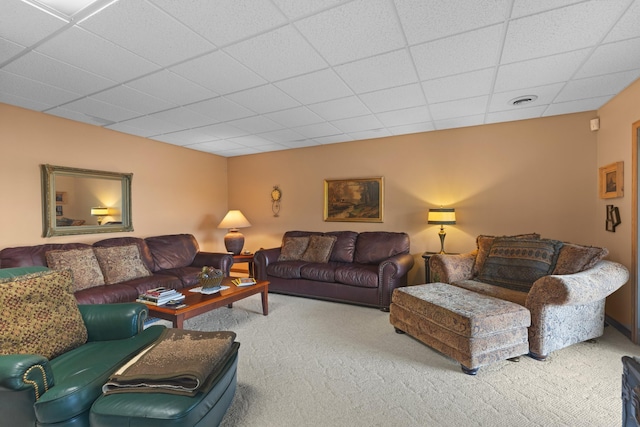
{"x":198,"y":303}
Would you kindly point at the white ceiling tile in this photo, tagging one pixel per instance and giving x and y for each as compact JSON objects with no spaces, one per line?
{"x":295,"y":9}
{"x":245,"y":151}
{"x":612,"y":58}
{"x":560,"y":30}
{"x":426,"y":20}
{"x":256,"y":124}
{"x":148,"y":125}
{"x":222,"y":131}
{"x":528,"y":7}
{"x":20,"y":101}
{"x":318,"y":130}
{"x":459,"y":108}
{"x":87,"y":51}
{"x":300,"y":143}
{"x":627,"y":27}
{"x":225,"y":21}
{"x":16,"y":17}
{"x":545,"y":94}
{"x":466,"y":52}
{"x":576,"y":106}
{"x":278,"y":54}
{"x":459,"y":122}
{"x":264,"y":99}
{"x":147,"y":31}
{"x":172,"y":88}
{"x":356,"y":124}
{"x":379,"y":72}
{"x":184,"y":137}
{"x":592,"y":87}
{"x":282,"y":136}
{"x":250,"y":141}
{"x":184,"y":117}
{"x":220,"y":109}
{"x":539,"y":72}
{"x":340,"y":38}
{"x":219,"y":72}
{"x":8,"y":49}
{"x":394,"y":99}
{"x":299,"y":116}
{"x":460,"y":86}
{"x":101,"y":110}
{"x":58,"y":74}
{"x":516,"y":114}
{"x":315,"y":87}
{"x":333,"y":139}
{"x":133,"y":100}
{"x":342,"y":108}
{"x":370,"y":134}
{"x":412,"y":128}
{"x":215,"y":146}
{"x":406,"y":116}
{"x":129,"y":130}
{"x":35,"y":91}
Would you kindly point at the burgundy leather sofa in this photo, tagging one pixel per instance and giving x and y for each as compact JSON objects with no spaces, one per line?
{"x":174,"y":261}
{"x":364,"y":268}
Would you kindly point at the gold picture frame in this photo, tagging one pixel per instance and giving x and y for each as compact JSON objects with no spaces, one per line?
{"x":611,"y":182}
{"x":354,"y":200}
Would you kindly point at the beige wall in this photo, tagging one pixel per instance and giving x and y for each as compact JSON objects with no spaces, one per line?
{"x":615,"y":141}
{"x":175,"y":190}
{"x":534,"y":175}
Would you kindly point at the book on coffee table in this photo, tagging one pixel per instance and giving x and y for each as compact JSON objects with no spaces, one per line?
{"x":244,"y":281}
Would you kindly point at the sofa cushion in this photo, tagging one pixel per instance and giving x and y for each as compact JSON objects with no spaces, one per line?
{"x":361,"y":275}
{"x":121,"y":263}
{"x":345,"y":247}
{"x":145,"y":252}
{"x":40,"y":315}
{"x":576,"y":258}
{"x":320,"y":272}
{"x":286,"y":269}
{"x":484,"y":246}
{"x":82,"y":263}
{"x":515,"y":263}
{"x":319,"y":248}
{"x":375,"y":246}
{"x":172,"y":251}
{"x":23,"y":256}
{"x":293,"y":248}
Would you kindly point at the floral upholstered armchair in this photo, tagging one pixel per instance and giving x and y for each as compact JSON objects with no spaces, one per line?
{"x":563,"y":285}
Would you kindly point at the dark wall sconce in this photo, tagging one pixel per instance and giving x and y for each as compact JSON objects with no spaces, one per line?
{"x":613,"y":218}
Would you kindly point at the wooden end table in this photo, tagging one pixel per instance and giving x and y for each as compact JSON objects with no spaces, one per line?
{"x":197,"y":303}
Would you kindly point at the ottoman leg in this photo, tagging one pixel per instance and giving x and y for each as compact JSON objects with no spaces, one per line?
{"x":399,"y":331}
{"x":469,"y":371}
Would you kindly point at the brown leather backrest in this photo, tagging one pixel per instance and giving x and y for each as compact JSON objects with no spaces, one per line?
{"x":145,"y":252}
{"x":24,"y":256}
{"x":375,"y":246}
{"x":172,"y":251}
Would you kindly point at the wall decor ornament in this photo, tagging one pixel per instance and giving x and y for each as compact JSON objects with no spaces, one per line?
{"x":276,"y":195}
{"x":611,"y":182}
{"x":353,"y":200}
{"x":613,"y":218}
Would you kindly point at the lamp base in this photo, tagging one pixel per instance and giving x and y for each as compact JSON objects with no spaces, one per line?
{"x":442,"y":235}
{"x":234,"y":241}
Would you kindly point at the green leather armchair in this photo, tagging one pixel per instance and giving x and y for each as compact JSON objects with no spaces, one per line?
{"x":37,"y":391}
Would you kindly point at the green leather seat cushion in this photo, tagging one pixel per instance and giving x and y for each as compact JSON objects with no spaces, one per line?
{"x":80,"y":374}
{"x":165,"y":410}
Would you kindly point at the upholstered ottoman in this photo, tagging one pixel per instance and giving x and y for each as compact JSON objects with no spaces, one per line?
{"x":471,"y":328}
{"x":162,"y":409}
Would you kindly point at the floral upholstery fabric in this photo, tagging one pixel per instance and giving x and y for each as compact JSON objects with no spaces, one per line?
{"x":319,"y":249}
{"x":293,"y":248}
{"x":82,"y":263}
{"x":484,"y":246}
{"x":121,"y":263}
{"x":576,"y":258}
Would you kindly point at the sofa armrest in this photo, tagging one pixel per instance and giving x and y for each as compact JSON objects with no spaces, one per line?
{"x":588,"y":286}
{"x":220,"y":260}
{"x":452,"y":268}
{"x":262,"y":258}
{"x":113,"y":321}
{"x":15,"y":368}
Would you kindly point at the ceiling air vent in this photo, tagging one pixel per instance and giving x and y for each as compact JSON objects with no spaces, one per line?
{"x":521,"y":100}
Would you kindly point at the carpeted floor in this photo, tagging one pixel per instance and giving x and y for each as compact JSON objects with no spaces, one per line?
{"x":317,"y":363}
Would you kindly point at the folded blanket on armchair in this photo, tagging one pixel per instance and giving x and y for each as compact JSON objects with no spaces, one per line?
{"x":179,"y":362}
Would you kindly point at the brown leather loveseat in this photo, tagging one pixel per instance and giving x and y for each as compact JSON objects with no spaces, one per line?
{"x":344,"y":266}
{"x":172,"y":261}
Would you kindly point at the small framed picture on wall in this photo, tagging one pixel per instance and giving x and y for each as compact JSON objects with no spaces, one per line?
{"x":58,"y":210}
{"x":611,"y":182}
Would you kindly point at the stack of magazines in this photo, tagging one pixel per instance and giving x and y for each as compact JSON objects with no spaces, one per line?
{"x":160,"y":296}
{"x":244,"y":281}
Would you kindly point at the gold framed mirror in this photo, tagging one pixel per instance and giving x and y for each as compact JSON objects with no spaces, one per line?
{"x":84,"y":201}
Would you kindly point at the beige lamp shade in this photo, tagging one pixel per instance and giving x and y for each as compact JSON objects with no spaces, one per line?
{"x":234,"y":240}
{"x":442,"y":217}
{"x":99,"y":211}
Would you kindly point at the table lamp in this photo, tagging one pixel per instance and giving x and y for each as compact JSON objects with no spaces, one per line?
{"x":100,"y":212}
{"x":442,"y":217}
{"x":234,"y":240}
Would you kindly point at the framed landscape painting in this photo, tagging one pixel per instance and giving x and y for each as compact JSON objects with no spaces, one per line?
{"x":353,"y":200}
{"x":611,"y":181}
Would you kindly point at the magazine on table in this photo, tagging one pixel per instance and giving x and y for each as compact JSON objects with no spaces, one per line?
{"x":244,"y":281}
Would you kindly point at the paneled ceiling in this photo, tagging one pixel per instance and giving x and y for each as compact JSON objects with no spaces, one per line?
{"x":237,"y":77}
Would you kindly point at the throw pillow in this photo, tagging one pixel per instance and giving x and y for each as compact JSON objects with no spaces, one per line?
{"x":293,"y":248}
{"x":576,"y":258}
{"x":121,"y":263}
{"x":40,"y":315}
{"x":82,"y":263}
{"x":484,"y":245}
{"x":319,"y":249}
{"x":516,"y":263}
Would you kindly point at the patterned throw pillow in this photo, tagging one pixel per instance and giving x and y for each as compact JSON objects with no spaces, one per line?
{"x":293,"y":248}
{"x":484,"y":245}
{"x":577,"y":258}
{"x":121,"y":263}
{"x":319,"y":249}
{"x":517,"y":263}
{"x":40,"y":315}
{"x":83,"y":265}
